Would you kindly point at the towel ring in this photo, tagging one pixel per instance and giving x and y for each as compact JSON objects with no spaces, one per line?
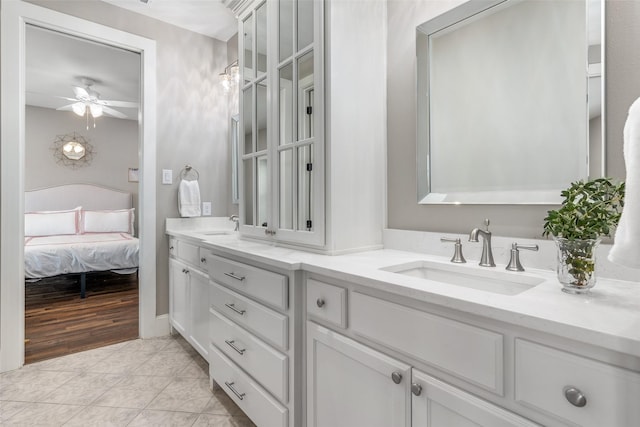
{"x":189,"y":173}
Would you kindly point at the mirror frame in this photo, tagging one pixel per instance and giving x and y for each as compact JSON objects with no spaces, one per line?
{"x":466,"y":10}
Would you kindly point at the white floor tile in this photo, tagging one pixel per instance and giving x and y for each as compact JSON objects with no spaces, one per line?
{"x":155,"y":382}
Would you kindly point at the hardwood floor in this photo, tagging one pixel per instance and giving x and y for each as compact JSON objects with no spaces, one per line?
{"x":59,"y":322}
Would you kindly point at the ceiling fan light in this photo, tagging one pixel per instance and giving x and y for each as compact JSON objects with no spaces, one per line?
{"x":79,"y":108}
{"x":96,"y":110}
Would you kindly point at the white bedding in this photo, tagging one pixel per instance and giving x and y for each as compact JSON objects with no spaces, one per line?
{"x":46,"y":256}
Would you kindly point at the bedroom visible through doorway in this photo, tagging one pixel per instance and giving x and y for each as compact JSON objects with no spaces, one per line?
{"x":81,"y":194}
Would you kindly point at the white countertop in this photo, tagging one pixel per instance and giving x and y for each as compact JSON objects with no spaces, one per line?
{"x":609,"y":316}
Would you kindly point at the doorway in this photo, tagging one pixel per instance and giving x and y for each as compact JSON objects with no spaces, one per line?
{"x":15,"y":16}
{"x":81,"y":127}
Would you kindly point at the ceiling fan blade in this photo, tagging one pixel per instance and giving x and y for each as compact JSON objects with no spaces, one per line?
{"x":66,"y":98}
{"x":68,"y":107}
{"x":81,"y":92}
{"x":121,"y":104}
{"x":114,"y":113}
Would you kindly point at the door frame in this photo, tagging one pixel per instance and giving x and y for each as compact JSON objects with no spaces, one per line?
{"x":15,"y":15}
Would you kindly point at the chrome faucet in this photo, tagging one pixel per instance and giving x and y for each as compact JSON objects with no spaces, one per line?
{"x":486,"y":260}
{"x":235,"y":219}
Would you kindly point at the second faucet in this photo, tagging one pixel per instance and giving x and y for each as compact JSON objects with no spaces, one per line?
{"x":486,"y":260}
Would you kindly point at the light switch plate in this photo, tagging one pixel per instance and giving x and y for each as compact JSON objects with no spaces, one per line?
{"x":206,"y":208}
{"x":167,"y":176}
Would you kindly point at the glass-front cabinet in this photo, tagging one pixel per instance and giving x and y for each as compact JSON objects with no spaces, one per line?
{"x":282,"y":116}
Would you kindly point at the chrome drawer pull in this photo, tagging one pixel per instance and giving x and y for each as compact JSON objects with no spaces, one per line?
{"x":230,"y":385}
{"x":231,"y":343}
{"x":233,"y":307}
{"x":396,"y":377}
{"x":233,"y":276}
{"x":320,"y":302}
{"x":416,"y":389}
{"x":575,"y":396}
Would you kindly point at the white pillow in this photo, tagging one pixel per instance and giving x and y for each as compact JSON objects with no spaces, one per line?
{"x":116,"y":221}
{"x":51,"y":223}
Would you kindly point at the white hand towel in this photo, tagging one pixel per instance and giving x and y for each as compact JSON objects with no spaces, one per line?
{"x":189,"y":199}
{"x":626,"y":246}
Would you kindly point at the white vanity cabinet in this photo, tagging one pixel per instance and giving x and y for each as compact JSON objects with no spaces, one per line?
{"x":377,"y":362}
{"x":189,"y":294}
{"x":251,"y":350}
{"x":435,"y":403}
{"x":349,"y":384}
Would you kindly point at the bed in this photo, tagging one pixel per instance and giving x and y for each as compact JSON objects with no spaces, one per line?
{"x":77,"y":229}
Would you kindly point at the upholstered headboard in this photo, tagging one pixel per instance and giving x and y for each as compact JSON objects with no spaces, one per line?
{"x":62,"y":197}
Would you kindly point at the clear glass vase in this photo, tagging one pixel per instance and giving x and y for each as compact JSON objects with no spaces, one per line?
{"x":576,"y":264}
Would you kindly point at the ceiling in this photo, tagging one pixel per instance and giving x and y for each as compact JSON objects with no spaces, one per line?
{"x":56,"y":62}
{"x":209,"y":17}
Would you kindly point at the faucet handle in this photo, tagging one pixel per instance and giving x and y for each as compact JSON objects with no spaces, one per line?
{"x":457,"y":256}
{"x":486,"y":224}
{"x":514,"y":261}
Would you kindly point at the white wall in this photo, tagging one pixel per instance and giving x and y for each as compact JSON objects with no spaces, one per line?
{"x":192,"y":112}
{"x":622,"y":46}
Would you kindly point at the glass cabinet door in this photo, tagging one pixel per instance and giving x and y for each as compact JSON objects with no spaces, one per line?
{"x":300,"y":181}
{"x":282,"y":122}
{"x":255,"y":205}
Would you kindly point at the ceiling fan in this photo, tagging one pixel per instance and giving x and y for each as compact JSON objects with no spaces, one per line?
{"x":87,"y":103}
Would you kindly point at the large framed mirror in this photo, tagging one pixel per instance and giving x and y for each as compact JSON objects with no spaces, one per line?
{"x":509,"y":101}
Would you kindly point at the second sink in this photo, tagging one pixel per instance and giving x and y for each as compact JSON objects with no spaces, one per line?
{"x":497,"y":282}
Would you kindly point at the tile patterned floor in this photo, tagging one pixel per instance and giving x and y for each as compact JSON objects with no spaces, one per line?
{"x":155,"y":382}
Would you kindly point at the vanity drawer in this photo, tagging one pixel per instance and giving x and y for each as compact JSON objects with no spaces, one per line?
{"x":468,"y":352}
{"x":327,"y":302}
{"x":268,"y":324}
{"x":254,"y":401}
{"x":260,"y":284}
{"x":188,"y":252}
{"x":268,"y":366}
{"x":543,"y":376}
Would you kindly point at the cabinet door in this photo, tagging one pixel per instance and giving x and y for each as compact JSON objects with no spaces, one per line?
{"x":437,"y":404}
{"x":255,"y":119}
{"x":349,"y":384}
{"x":199,"y":311}
{"x":178,"y":296}
{"x":282,"y":122}
{"x":299,"y":125}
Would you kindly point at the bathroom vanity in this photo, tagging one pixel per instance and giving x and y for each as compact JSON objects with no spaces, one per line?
{"x":297,"y":338}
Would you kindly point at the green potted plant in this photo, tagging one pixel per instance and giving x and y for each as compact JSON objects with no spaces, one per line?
{"x":590,"y":210}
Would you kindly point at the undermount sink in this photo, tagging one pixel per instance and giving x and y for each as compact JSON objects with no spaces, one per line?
{"x":488,"y":280}
{"x":214,"y":232}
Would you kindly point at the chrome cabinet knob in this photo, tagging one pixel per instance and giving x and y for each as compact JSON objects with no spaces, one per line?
{"x":396,"y":377}
{"x":320,"y":302}
{"x":575,"y":396}
{"x":203,"y":260}
{"x":416,"y":389}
